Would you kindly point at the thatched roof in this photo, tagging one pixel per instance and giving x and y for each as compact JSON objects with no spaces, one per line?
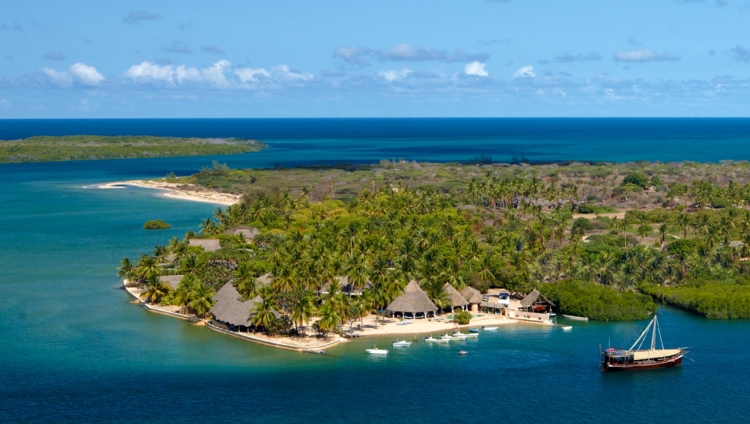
{"x":248,"y":232}
{"x":472,"y":295}
{"x":413,"y":300}
{"x":172,"y":280}
{"x":170,"y":258}
{"x":229,"y":307}
{"x":457,"y":300}
{"x":532,"y":298}
{"x":493,"y":305}
{"x":209,"y":245}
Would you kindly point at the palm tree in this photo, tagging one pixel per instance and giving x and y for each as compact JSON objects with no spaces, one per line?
{"x":264,"y":314}
{"x":683,"y":222}
{"x":147,"y":267}
{"x":155,"y":289}
{"x":125,"y":270}
{"x":202,"y":299}
{"x":663,"y":229}
{"x":303,"y":309}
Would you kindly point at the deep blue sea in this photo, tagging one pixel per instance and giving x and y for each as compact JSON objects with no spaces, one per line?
{"x":73,"y":349}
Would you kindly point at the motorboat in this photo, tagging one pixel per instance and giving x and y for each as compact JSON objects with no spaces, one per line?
{"x":434,"y":340}
{"x":567,"y":328}
{"x":376,"y":351}
{"x":453,"y":337}
{"x":462,"y":352}
{"x":468,"y":336}
{"x":489,"y":328}
{"x":402,"y":343}
{"x":575,"y":318}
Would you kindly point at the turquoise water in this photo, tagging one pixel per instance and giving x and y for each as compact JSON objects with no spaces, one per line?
{"x":73,"y":349}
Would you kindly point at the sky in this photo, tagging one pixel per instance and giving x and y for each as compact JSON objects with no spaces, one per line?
{"x":384,"y":58}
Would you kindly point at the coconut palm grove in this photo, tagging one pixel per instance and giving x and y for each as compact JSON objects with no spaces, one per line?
{"x":606,"y":241}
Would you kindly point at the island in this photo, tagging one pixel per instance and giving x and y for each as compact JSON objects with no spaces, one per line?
{"x":305,"y":256}
{"x":94,"y":147}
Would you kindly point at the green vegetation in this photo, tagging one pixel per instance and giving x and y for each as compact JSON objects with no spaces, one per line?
{"x":588,"y":299}
{"x":712,"y":299}
{"x":156,"y":224}
{"x":484,"y":225}
{"x":91,"y":147}
{"x":462,"y":317}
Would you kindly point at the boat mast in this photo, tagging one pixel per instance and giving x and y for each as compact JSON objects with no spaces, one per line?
{"x":642,"y":336}
{"x":653,"y":333}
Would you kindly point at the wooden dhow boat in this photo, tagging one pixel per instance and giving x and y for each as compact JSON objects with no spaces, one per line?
{"x":642,"y":359}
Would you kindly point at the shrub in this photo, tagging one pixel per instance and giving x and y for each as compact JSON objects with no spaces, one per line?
{"x":586,"y":208}
{"x":156,"y":224}
{"x":720,"y":202}
{"x":462,"y":318}
{"x":582,"y":223}
{"x":639,"y":180}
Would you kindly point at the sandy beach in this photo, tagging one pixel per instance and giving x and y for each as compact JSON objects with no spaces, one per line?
{"x":179,"y":191}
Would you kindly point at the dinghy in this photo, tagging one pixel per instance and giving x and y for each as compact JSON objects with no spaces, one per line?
{"x":434,"y":340}
{"x":376,"y":351}
{"x":402,"y":343}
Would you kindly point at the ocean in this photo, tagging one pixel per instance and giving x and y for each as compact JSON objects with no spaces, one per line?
{"x":74,"y":349}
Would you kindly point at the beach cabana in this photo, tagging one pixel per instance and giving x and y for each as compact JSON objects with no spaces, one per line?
{"x":458,"y":302}
{"x":172,"y":280}
{"x":532,"y":303}
{"x":209,"y":245}
{"x":248,"y":232}
{"x":231,"y":312}
{"x":473,"y":296}
{"x":414,"y":303}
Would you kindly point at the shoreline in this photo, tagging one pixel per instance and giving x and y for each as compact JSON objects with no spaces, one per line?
{"x":371,"y":327}
{"x":177,"y":191}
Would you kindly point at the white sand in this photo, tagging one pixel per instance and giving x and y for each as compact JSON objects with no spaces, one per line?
{"x":179,"y":191}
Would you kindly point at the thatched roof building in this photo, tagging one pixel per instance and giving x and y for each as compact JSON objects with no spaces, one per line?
{"x":472,"y":295}
{"x":413,"y":303}
{"x":172,"y":280}
{"x":456,"y":299}
{"x":247,"y":231}
{"x":230,"y":309}
{"x":209,"y":245}
{"x":533,"y":298}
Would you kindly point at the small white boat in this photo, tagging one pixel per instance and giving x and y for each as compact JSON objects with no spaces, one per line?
{"x":404,"y":322}
{"x":575,"y":318}
{"x":489,"y":328}
{"x":376,"y":351}
{"x":467,"y":336}
{"x":567,"y":328}
{"x":462,"y":352}
{"x":452,"y":337}
{"x":403,"y":343}
{"x":434,"y":340}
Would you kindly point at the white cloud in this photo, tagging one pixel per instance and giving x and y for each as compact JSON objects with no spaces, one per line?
{"x":475,"y":68}
{"x":78,"y":73}
{"x":394,"y":75}
{"x":59,"y":79}
{"x":405,"y":53}
{"x":525,"y":72}
{"x":85,"y":74}
{"x":645,"y":55}
{"x":251,"y":75}
{"x":221,"y":75}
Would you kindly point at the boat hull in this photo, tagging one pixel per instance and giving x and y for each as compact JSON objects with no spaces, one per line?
{"x":675,"y":361}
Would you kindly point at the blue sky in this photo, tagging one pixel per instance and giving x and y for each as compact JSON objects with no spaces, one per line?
{"x":80,"y":59}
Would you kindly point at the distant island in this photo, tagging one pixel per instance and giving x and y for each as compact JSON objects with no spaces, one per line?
{"x":94,"y":147}
{"x":320,"y":248}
